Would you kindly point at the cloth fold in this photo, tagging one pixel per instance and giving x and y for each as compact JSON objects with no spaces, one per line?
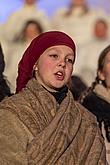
{"x":70,"y":137}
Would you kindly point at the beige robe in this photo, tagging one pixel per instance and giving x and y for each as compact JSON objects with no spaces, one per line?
{"x":35,"y":130}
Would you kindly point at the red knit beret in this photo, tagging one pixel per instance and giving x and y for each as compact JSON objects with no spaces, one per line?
{"x":35,"y":49}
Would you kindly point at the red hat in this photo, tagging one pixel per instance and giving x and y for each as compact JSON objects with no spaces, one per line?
{"x":35,"y":49}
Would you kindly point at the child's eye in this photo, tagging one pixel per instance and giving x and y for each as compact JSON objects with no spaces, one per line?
{"x":54,"y":55}
{"x":69,"y":60}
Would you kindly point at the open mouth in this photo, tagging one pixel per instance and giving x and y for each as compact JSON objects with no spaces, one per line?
{"x":59,"y":75}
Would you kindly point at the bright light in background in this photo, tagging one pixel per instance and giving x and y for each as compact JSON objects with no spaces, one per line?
{"x":49,"y":6}
{"x":7,"y":7}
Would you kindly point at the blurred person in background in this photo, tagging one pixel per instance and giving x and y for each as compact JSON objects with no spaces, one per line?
{"x":88,"y":53}
{"x":31,"y":29}
{"x":4,"y":84}
{"x":77,"y":19}
{"x":16,"y":21}
{"x":97,"y":98}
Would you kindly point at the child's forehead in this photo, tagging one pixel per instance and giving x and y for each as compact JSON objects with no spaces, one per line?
{"x":57,"y":47}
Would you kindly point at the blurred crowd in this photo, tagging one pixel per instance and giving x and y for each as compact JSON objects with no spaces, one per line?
{"x":89,"y":27}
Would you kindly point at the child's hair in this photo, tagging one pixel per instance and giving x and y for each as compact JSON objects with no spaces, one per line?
{"x":101,"y":61}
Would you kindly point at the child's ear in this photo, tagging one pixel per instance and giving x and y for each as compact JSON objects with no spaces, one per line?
{"x":101,"y":75}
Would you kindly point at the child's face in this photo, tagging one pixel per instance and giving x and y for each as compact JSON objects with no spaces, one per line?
{"x":55,"y":66}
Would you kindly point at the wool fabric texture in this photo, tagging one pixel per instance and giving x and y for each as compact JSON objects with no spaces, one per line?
{"x":35,"y":49}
